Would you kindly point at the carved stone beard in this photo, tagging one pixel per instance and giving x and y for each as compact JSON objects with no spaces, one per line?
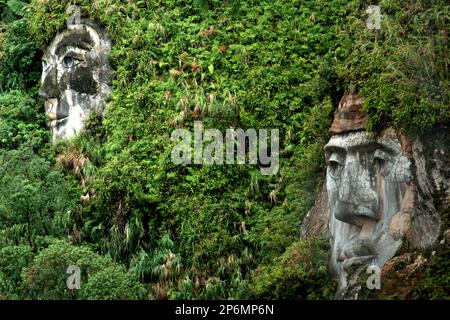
{"x":76,"y":78}
{"x":368,"y":185}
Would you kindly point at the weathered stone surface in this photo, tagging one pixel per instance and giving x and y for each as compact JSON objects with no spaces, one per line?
{"x":315,"y":224}
{"x":348,"y":117}
{"x":76,"y":78}
{"x":405,"y":269}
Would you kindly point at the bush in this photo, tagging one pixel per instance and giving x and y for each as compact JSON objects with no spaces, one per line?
{"x":35,"y":200}
{"x":101,"y":278}
{"x":435,"y":282}
{"x":12,"y":260}
{"x":300,"y":273}
{"x":22,"y":122}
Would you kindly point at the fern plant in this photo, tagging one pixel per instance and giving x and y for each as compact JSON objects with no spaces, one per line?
{"x":12,"y":10}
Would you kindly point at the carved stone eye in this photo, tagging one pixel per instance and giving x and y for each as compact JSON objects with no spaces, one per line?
{"x":70,"y":62}
{"x":380,"y":157}
{"x":335,"y":165}
{"x":44,"y":65}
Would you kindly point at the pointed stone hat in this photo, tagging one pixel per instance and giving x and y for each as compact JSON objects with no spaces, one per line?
{"x":349,"y":116}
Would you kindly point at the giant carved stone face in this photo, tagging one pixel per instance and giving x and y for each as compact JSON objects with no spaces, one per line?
{"x":368,"y":190}
{"x":76,"y":78}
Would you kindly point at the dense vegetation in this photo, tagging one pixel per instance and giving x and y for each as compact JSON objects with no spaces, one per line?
{"x":112,"y":202}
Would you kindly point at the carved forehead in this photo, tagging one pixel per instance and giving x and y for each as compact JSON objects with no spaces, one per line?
{"x":78,"y":36}
{"x":350,"y":140}
{"x":363,"y":139}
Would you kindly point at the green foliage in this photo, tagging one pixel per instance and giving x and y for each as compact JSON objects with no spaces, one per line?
{"x":112,"y":283}
{"x":34,"y":199}
{"x":162,"y":268}
{"x":22,"y":122}
{"x":12,"y":260}
{"x":19,"y":58}
{"x":101,"y":278}
{"x":12,"y":10}
{"x":402,"y":71}
{"x":53,"y":12}
{"x":435,"y":283}
{"x":300,"y":273}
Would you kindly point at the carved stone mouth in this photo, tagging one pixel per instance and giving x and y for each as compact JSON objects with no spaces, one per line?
{"x":353,"y":262}
{"x":57,"y":122}
{"x":355,"y":259}
{"x":50,"y":108}
{"x":357,"y":251}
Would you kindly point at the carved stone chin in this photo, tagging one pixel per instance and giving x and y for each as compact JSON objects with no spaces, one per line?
{"x":76,"y":78}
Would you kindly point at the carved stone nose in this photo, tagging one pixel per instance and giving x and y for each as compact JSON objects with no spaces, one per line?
{"x":49,"y":87}
{"x":357,"y":215}
{"x":357,"y":202}
{"x":349,"y":181}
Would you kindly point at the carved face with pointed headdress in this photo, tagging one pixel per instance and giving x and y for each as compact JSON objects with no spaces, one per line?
{"x":76,"y":78}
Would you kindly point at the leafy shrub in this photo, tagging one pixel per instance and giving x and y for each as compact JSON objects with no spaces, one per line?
{"x":402,"y":70}
{"x":34,"y":200}
{"x":12,"y":260}
{"x":435,"y":283}
{"x":101,"y":278}
{"x":300,"y":273}
{"x":22,"y":122}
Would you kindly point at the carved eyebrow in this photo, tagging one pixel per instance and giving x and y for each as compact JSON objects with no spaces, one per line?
{"x":373,"y":145}
{"x":334,"y":148}
{"x":365,"y":146}
{"x":74,"y":53}
{"x":75,"y":40}
{"x":79,"y":46}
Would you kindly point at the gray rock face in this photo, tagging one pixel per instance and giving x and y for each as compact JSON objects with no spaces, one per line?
{"x":380,"y":192}
{"x":76,"y":78}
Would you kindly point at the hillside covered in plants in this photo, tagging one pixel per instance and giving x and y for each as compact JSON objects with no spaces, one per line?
{"x":112,"y":202}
